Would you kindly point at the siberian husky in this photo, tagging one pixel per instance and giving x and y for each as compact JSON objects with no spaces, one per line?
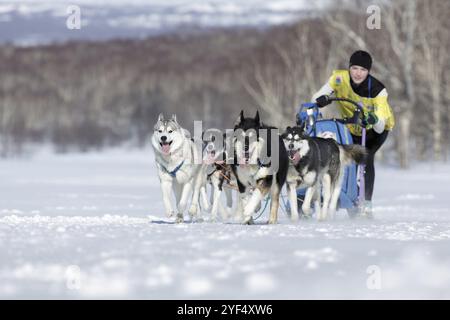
{"x":178,"y":162}
{"x":314,"y":163}
{"x":217,"y":172}
{"x":252,"y":168}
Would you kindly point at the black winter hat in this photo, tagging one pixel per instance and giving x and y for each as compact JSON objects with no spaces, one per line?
{"x":361,"y":58}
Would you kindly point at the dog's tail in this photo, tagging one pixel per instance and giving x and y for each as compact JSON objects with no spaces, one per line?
{"x":353,"y":153}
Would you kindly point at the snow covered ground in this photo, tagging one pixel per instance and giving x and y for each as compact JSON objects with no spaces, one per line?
{"x":93,"y":226}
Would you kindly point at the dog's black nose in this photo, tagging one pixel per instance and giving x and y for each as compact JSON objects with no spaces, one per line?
{"x":291,"y":146}
{"x":163,"y":138}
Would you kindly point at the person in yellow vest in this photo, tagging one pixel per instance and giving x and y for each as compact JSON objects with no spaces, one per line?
{"x":358,"y":85}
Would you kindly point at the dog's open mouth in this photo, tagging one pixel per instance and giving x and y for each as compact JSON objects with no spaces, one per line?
{"x":245,"y":158}
{"x":210,"y":157}
{"x":294,"y":155}
{"x":165,"y":146}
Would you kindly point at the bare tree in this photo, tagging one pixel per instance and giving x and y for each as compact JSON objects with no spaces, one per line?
{"x":431,"y":62}
{"x":87,"y":95}
{"x":394,"y":46}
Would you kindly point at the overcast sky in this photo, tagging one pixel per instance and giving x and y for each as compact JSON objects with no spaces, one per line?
{"x":292,"y":3}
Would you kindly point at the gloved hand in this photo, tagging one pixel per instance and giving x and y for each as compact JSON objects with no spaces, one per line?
{"x":323,"y":101}
{"x":371,"y":118}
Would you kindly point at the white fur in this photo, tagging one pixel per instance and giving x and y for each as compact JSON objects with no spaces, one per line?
{"x":182,"y":149}
{"x":304,"y":147}
{"x":254,"y":201}
{"x":214,"y":181}
{"x":248,"y":176}
{"x":292,"y":193}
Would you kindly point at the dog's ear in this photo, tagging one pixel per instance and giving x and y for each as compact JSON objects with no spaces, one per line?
{"x":174,"y":118}
{"x":257,"y":120}
{"x":239,"y":119}
{"x":161,"y":117}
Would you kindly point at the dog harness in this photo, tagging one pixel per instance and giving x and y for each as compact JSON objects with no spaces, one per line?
{"x":261,"y":165}
{"x":174,"y":171}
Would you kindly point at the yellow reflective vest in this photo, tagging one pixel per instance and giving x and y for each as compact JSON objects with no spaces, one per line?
{"x":340,"y":83}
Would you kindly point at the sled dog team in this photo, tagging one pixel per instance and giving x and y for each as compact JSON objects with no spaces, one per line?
{"x":256,"y":161}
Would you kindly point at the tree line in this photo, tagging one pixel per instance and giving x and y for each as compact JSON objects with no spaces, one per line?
{"x":91,"y":95}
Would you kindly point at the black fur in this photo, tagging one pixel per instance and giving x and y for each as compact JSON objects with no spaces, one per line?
{"x":266,"y":184}
{"x":323,"y":153}
{"x":283,"y":160}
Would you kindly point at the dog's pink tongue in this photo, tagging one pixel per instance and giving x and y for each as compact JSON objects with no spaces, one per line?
{"x":295,"y":158}
{"x":165,"y":148}
{"x":209,"y":159}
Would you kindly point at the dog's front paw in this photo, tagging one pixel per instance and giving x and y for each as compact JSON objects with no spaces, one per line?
{"x":237,"y":217}
{"x":306,"y":217}
{"x":307,"y":211}
{"x":196,"y":219}
{"x":179,"y":218}
{"x":170,"y":214}
{"x":248,"y":221}
{"x":369,"y":215}
{"x":272,"y":221}
{"x":294,"y":217}
{"x":213,"y":219}
{"x":225,"y":216}
{"x":193,"y":210}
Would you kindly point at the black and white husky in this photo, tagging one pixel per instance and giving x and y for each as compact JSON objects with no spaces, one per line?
{"x":314,"y":163}
{"x":260,"y":165}
{"x":178,"y":162}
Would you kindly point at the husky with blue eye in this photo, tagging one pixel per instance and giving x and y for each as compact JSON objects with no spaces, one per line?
{"x":318,"y":165}
{"x":255,"y":173}
{"x":178,"y":163}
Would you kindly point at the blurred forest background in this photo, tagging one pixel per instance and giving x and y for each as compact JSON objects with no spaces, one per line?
{"x":92,"y":95}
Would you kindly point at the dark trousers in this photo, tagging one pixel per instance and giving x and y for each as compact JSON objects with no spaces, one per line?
{"x":373,"y":142}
